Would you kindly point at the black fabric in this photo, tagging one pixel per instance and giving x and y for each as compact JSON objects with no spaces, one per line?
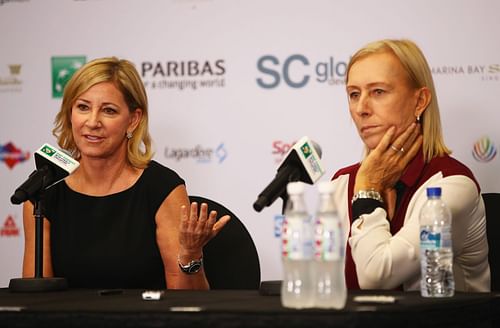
{"x":230,"y":259}
{"x":240,"y":308}
{"x":400,"y":190}
{"x":364,"y":206}
{"x":492,"y":206}
{"x":109,"y":241}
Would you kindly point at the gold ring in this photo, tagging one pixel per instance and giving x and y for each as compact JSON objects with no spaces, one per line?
{"x":395,"y":149}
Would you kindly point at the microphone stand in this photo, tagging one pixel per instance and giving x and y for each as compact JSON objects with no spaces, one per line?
{"x":38,"y":283}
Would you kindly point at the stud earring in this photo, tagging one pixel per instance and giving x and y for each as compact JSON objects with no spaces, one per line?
{"x":129,"y":135}
{"x":418,"y":118}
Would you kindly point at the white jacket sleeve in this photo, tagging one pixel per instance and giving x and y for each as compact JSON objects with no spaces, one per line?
{"x":385,"y":261}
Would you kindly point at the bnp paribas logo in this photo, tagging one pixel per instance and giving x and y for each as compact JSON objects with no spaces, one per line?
{"x":306,"y":150}
{"x":47,"y":150}
{"x":63,"y":69}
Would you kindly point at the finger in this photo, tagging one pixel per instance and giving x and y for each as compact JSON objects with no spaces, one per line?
{"x":193,"y":217}
{"x":202,"y":219}
{"x":415,"y":147}
{"x":184,"y":217}
{"x":386,"y":139}
{"x":203,"y":212}
{"x":220,"y":224}
{"x":413,"y":136}
{"x":404,"y":137}
{"x":211,"y":219}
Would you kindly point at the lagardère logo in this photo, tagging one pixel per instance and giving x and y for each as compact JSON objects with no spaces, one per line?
{"x":11,"y":155}
{"x":183,"y":74}
{"x":198,"y":153}
{"x":484,"y":150}
{"x":297,"y":71}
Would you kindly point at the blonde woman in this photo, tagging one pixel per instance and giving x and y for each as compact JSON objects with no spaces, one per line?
{"x":393,"y":104}
{"x":121,"y":220}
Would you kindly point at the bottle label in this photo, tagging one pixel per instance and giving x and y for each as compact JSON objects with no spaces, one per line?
{"x":296,"y":243}
{"x":278,"y":225}
{"x":328,"y":242}
{"x":435,"y":238}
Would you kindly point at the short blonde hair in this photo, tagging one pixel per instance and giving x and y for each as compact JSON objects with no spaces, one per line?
{"x":125,"y":77}
{"x":419,"y":75}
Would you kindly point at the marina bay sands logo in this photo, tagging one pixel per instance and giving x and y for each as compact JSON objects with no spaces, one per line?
{"x":63,"y":69}
{"x":484,"y":150}
{"x":297,"y":71}
{"x":486,"y":72}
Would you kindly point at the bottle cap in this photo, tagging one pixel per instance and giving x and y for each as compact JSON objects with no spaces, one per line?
{"x":294,"y":188}
{"x":326,"y":187}
{"x":434,"y":192}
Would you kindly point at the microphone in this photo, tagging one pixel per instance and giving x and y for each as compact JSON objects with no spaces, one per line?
{"x":302,"y":163}
{"x":52,"y":165}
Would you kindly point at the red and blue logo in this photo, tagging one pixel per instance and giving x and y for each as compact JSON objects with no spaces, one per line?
{"x":11,"y":155}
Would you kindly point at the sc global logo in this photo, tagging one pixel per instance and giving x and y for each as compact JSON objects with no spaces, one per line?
{"x":296,"y":71}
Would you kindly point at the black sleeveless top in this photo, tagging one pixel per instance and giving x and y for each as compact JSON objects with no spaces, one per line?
{"x":109,"y":241}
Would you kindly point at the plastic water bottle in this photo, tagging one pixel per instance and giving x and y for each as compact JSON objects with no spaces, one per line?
{"x":436,"y":253}
{"x":297,"y":288}
{"x":329,"y":253}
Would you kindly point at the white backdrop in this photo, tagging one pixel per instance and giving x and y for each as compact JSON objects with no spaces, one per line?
{"x":233,"y":83}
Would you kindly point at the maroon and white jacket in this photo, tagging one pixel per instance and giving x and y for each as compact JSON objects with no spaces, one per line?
{"x":383,"y":254}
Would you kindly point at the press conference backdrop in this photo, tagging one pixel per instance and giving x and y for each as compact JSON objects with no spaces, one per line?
{"x":232,"y":84}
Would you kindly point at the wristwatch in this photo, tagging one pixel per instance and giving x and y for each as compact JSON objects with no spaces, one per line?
{"x":192,"y":267}
{"x":371,"y":194}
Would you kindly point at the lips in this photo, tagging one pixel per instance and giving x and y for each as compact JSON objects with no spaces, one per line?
{"x":368,"y":129}
{"x":92,"y":138}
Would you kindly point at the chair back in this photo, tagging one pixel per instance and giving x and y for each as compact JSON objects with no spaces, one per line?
{"x":492,"y":206}
{"x":230,"y":259}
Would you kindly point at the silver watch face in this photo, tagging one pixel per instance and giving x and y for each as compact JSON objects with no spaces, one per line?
{"x":192,"y":267}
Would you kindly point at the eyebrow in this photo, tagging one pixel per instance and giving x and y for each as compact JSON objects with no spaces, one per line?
{"x":370,"y":85}
{"x":103,"y":104}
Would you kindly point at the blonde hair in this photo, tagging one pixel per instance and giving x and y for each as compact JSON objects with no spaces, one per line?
{"x":419,"y":75}
{"x":125,"y":77}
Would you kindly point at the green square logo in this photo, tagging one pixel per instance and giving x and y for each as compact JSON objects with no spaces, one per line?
{"x":63,"y":69}
{"x":306,"y":150}
{"x":47,"y":150}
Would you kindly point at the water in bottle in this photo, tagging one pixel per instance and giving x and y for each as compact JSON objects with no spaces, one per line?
{"x":297,"y":287}
{"x":328,"y":267}
{"x":436,"y":253}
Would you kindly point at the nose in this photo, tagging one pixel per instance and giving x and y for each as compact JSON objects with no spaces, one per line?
{"x":93,"y":120}
{"x":362,"y":106}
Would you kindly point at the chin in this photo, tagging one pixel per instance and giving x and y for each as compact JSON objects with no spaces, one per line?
{"x":371,"y":143}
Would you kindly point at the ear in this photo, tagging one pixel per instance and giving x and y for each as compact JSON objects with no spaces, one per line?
{"x":423,"y":100}
{"x":135,"y":119}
